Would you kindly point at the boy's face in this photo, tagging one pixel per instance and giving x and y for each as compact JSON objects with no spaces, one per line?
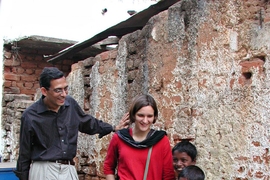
{"x":181,"y":160}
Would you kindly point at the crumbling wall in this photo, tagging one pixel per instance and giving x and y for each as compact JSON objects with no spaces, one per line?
{"x":207,"y":65}
{"x":104,"y":89}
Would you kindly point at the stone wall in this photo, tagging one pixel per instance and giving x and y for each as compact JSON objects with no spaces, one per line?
{"x":207,"y":65}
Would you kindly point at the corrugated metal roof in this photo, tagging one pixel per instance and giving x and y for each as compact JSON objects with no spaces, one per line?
{"x":135,"y":22}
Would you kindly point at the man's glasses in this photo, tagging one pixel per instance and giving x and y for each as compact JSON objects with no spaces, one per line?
{"x":60,"y":90}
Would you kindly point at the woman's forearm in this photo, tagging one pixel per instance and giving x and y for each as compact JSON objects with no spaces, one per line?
{"x":110,"y":177}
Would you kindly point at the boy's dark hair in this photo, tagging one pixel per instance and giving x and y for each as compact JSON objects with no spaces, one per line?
{"x":187,"y":147}
{"x":192,"y":172}
{"x":140,"y":102}
{"x":48,"y":74}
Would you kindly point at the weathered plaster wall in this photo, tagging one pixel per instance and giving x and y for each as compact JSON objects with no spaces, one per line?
{"x":207,"y":65}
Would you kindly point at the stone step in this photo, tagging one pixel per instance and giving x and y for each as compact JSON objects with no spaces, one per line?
{"x":12,"y":97}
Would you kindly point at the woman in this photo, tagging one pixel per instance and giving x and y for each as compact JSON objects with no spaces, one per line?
{"x":129,"y":148}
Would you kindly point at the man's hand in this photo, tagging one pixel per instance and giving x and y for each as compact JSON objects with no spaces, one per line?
{"x":124,"y":122}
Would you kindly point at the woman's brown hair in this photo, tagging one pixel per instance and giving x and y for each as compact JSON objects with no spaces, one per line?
{"x":141,"y":101}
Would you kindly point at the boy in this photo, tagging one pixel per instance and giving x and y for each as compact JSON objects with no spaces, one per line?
{"x":191,"y":172}
{"x":184,"y":154}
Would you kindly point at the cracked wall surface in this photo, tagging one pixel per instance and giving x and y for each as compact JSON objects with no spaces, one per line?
{"x":207,"y":65}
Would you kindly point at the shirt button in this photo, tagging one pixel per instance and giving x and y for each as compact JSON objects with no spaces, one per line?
{"x":65,"y":152}
{"x":60,"y":129}
{"x":62,"y":140}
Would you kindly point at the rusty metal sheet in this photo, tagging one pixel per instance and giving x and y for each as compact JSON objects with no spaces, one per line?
{"x":132,"y":24}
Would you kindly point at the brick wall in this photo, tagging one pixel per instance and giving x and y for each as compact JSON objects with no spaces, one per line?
{"x":22,"y":69}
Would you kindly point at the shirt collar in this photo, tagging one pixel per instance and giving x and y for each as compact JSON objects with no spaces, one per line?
{"x":41,"y":107}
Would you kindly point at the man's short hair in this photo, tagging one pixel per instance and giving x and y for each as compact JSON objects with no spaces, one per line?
{"x":48,"y":74}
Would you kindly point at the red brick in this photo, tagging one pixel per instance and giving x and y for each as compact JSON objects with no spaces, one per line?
{"x":38,"y":72}
{"x":14,"y":84}
{"x":36,"y":85}
{"x":27,"y":65}
{"x":67,"y":62}
{"x":256,"y":143}
{"x":28,"y":85}
{"x":167,"y":115}
{"x":43,"y":64}
{"x":241,"y":158}
{"x":28,"y":78}
{"x":250,"y":173}
{"x":7,"y":69}
{"x":178,"y":85}
{"x":267,"y":19}
{"x":254,"y":63}
{"x":232,"y":83}
{"x":75,"y":66}
{"x":196,"y":112}
{"x":7,"y":83}
{"x":30,"y":58}
{"x":101,"y":69}
{"x":176,"y":99}
{"x":18,"y":70}
{"x":39,"y":58}
{"x":259,"y":174}
{"x":242,"y":80}
{"x":257,"y":159}
{"x":30,"y":71}
{"x":20,"y":84}
{"x":12,"y":77}
{"x":105,"y":55}
{"x":266,"y":156}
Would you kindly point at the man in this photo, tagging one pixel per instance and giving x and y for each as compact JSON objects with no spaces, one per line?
{"x":49,"y":131}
